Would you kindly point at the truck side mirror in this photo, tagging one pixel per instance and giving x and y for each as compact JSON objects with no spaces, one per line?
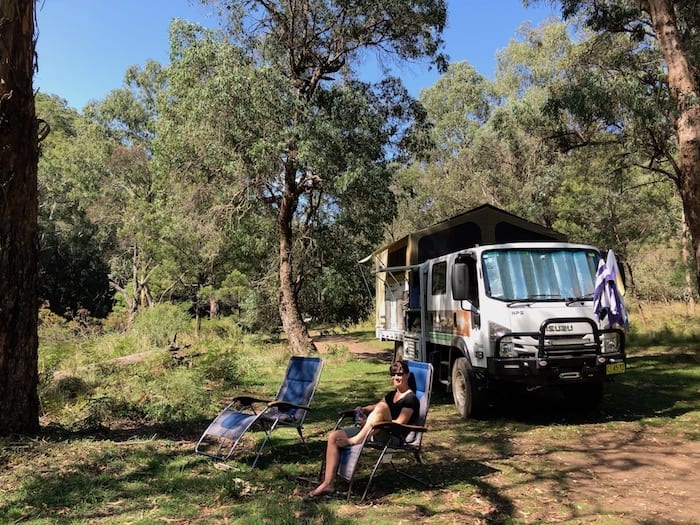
{"x":460,"y":281}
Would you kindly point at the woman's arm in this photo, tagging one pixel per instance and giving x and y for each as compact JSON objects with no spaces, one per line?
{"x":366,"y":409}
{"x":404,"y":416}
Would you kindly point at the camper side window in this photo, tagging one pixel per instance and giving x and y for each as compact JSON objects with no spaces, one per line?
{"x":438,"y":279}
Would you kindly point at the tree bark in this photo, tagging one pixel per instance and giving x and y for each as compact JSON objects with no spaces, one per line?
{"x":683,"y":86}
{"x":689,"y":296}
{"x":19,"y":151}
{"x":297,"y":334}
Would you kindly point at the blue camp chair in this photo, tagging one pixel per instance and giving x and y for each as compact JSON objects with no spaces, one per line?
{"x":244,"y":413}
{"x":396,"y":439}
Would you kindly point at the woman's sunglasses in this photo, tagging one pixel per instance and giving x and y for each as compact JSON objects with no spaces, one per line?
{"x":396,"y":374}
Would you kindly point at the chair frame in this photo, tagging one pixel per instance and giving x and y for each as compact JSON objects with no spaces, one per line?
{"x":256,"y":413}
{"x":397,"y":442}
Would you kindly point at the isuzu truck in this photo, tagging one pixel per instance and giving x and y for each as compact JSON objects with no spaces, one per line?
{"x":493,"y":316}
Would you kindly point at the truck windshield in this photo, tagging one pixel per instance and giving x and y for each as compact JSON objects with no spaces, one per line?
{"x":540,"y":274}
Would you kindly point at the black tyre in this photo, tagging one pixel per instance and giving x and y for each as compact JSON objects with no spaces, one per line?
{"x":468,"y":399}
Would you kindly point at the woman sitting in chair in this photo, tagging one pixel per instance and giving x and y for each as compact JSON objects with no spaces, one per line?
{"x":400,"y":406}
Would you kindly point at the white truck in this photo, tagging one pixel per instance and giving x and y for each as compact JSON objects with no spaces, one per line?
{"x":492,"y":316}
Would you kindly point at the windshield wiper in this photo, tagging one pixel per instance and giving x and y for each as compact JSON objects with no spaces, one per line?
{"x":514,"y":303}
{"x":573,"y":300}
{"x":532,"y":298}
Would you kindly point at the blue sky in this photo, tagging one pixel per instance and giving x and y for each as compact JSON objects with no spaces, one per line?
{"x":85,"y":46}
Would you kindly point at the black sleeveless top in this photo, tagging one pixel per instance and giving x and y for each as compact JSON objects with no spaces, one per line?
{"x":409,"y":400}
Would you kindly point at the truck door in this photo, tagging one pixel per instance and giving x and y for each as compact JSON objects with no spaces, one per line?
{"x":467,"y":316}
{"x":438,"y":314}
{"x":468,"y":366}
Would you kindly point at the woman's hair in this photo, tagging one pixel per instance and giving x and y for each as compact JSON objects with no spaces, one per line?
{"x":398,"y":366}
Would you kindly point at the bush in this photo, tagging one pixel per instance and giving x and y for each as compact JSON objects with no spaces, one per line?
{"x":158,"y":326}
{"x":173,"y":397}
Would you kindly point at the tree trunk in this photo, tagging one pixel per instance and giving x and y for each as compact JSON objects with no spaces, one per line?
{"x":292,"y":322}
{"x":19,"y":151}
{"x":213,"y":308}
{"x":685,"y":254}
{"x":681,"y":81}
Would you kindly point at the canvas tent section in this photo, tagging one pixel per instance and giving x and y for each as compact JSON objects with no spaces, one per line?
{"x":478,"y":226}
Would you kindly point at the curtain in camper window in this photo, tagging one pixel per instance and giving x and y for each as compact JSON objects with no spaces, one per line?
{"x":539,"y":274}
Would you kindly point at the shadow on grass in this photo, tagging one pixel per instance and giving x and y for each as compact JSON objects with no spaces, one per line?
{"x":443,"y":469}
{"x":666,"y":336}
{"x":663,"y":385}
{"x":140,"y":483}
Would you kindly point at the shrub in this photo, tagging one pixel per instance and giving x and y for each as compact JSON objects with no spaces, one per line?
{"x":174,"y":397}
{"x":157,"y":326}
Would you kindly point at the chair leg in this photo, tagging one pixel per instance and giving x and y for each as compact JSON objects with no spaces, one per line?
{"x":374,"y":471}
{"x":265,"y":442}
{"x":301,"y":436}
{"x":350,"y":489}
{"x":419,"y":461}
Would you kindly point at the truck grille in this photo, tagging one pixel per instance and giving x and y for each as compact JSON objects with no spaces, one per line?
{"x":555,"y":347}
{"x":579,"y":338}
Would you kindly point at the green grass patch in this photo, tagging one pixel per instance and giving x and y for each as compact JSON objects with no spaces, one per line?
{"x":118,"y":438}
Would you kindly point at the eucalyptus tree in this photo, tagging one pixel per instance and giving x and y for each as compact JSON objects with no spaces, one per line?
{"x":19,"y":151}
{"x":302,"y":137}
{"x":561,"y":121}
{"x":447,"y":175}
{"x":73,"y":272}
{"x":662,"y":61}
{"x":126,"y":187}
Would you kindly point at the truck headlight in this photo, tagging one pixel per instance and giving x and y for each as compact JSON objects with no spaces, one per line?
{"x":507,"y":349}
{"x":498,"y":334}
{"x":610,"y":343}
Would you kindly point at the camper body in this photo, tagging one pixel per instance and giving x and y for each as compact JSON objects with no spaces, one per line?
{"x":494,"y":316}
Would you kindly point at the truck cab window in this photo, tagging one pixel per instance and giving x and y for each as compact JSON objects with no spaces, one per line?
{"x":474,"y":289}
{"x":438,"y":278}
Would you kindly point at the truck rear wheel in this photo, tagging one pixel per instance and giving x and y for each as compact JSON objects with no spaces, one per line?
{"x":469,"y":401}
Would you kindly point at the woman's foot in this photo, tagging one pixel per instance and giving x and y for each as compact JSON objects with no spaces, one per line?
{"x":321,"y":490}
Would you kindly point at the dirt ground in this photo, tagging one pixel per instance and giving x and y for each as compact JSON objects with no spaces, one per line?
{"x":639,"y":476}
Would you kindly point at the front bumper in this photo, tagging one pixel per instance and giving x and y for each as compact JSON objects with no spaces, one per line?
{"x":555,"y":359}
{"x":558,"y":371}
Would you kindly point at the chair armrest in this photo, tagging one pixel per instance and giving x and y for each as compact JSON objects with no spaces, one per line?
{"x":345,"y":414}
{"x":248,"y":400}
{"x":398,"y":428}
{"x":284,"y":405}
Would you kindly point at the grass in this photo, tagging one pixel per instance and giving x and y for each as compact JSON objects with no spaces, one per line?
{"x":117,"y":441}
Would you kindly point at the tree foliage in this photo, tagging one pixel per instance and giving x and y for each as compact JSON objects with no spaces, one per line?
{"x":250,"y":174}
{"x":298,"y":140}
{"x":72,"y":267}
{"x":552,"y":139}
{"x":658,"y":67}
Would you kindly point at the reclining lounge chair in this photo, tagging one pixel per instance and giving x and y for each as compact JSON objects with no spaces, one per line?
{"x":246,"y":413}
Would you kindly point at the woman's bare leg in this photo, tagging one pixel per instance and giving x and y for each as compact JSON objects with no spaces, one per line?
{"x":380,"y":414}
{"x":339,"y":439}
{"x":336,"y":440}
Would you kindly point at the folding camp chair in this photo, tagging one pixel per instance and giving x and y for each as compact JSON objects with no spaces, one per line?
{"x":391,"y":438}
{"x":287,"y":409}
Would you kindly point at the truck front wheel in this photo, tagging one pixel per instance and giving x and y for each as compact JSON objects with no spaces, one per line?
{"x":470,"y":402}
